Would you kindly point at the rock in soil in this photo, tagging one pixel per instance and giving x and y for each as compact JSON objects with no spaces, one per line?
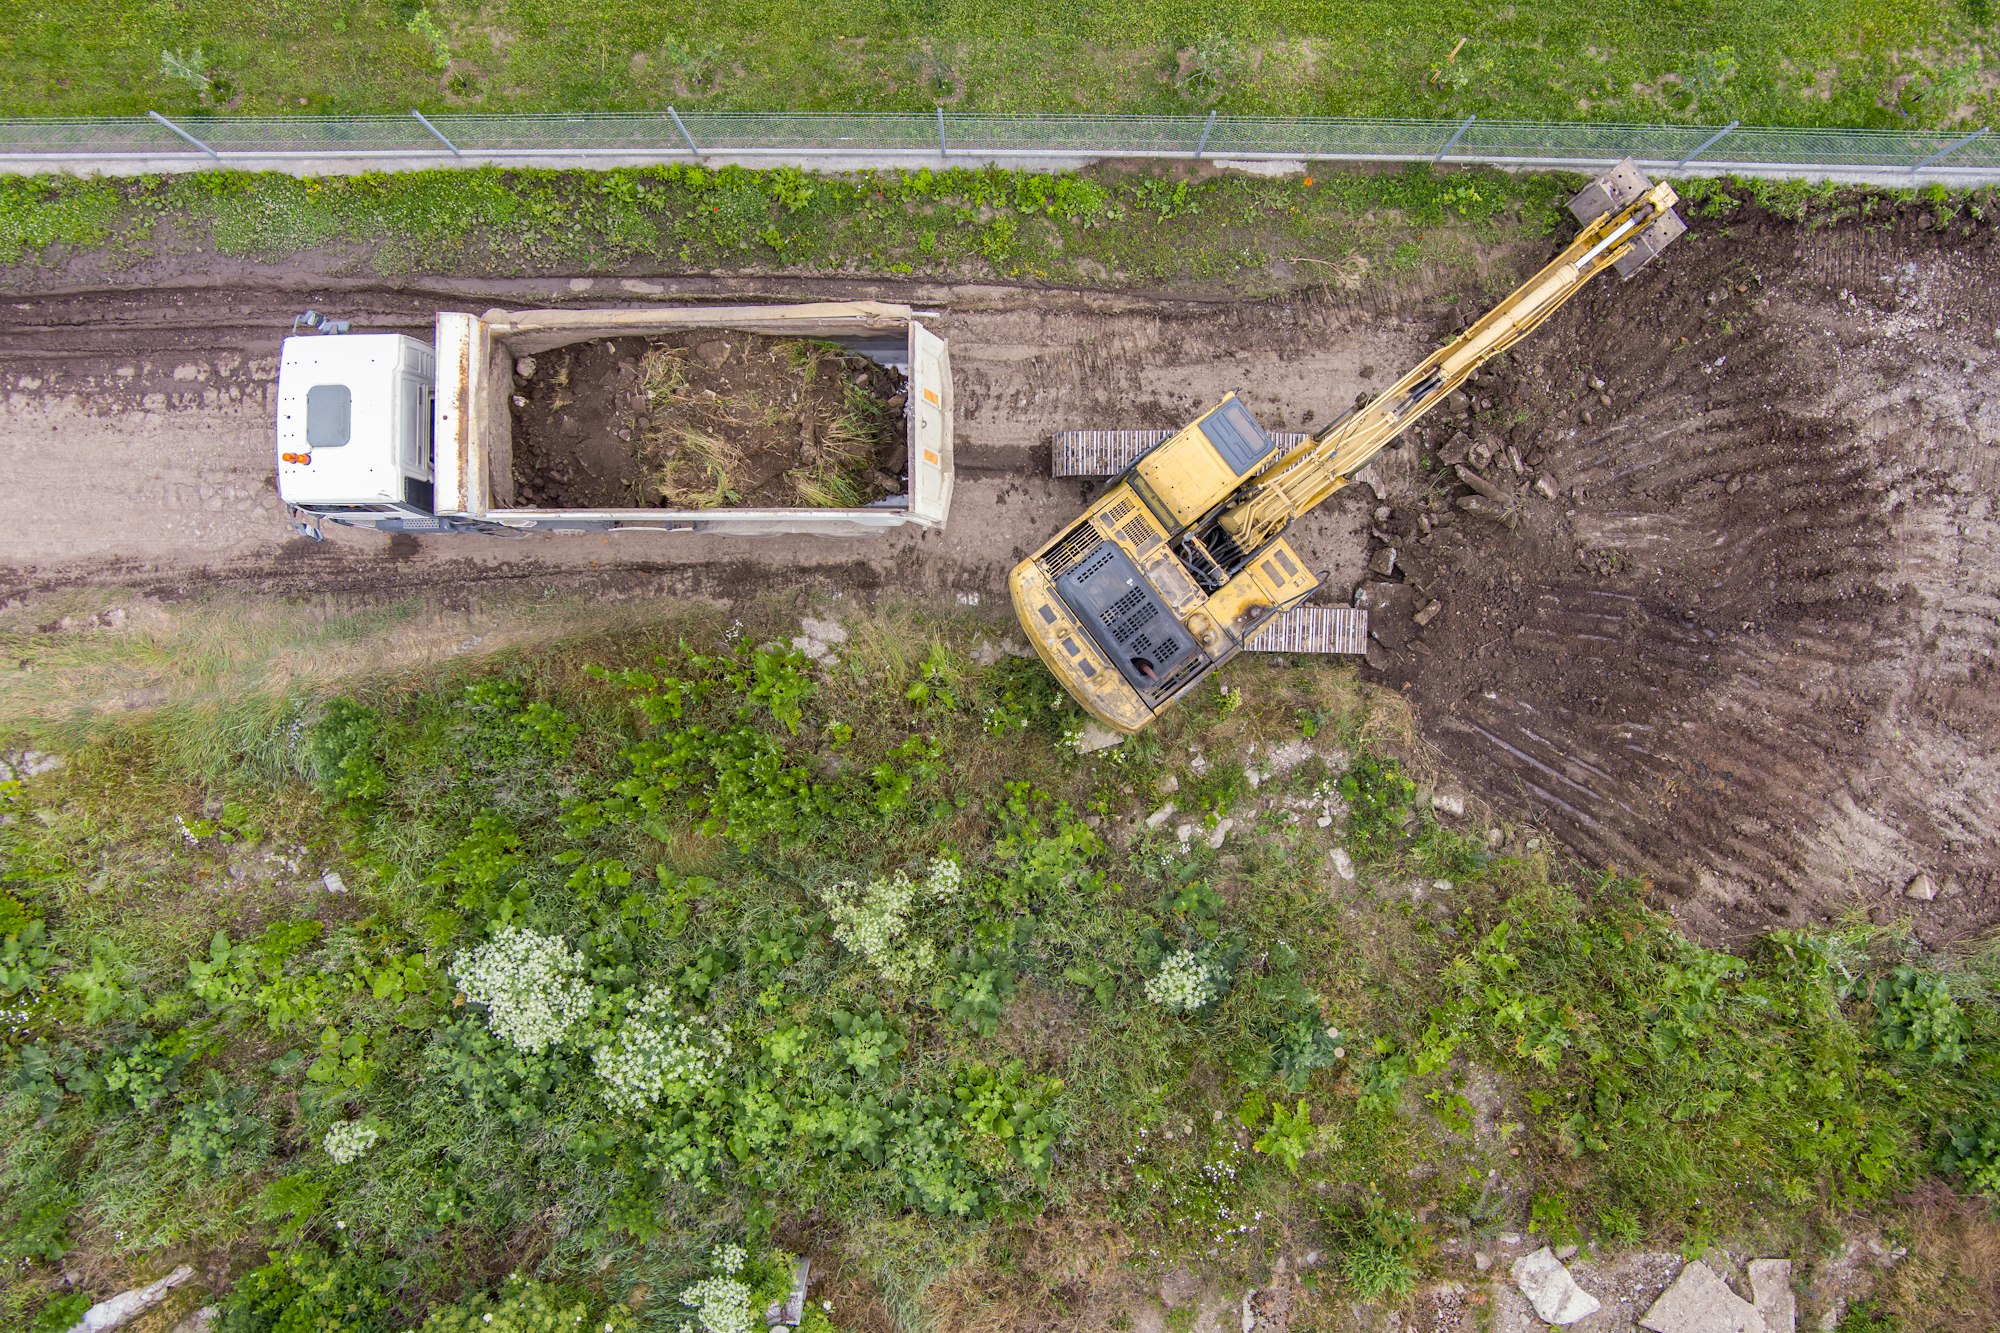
{"x":25,"y":764}
{"x":1550,"y":1289}
{"x":1701,"y":1302}
{"x":129,"y":1305}
{"x":1096,"y":736}
{"x":1771,"y":1293}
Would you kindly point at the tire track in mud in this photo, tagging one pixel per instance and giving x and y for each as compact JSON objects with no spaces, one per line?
{"x":1747,"y":649}
{"x":167,"y":392}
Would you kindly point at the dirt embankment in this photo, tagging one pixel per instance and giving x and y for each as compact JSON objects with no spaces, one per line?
{"x":1741,"y":639}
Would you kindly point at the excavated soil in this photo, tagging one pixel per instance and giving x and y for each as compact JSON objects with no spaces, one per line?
{"x":703,"y":420}
{"x":1730,"y":623}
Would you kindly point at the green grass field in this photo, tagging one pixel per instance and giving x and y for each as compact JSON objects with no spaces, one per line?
{"x":1896,"y":63}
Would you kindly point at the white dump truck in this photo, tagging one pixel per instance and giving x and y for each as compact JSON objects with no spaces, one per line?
{"x":385,"y":431}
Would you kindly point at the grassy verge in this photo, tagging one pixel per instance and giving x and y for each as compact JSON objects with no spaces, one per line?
{"x":1103,"y":227}
{"x":1826,"y":62}
{"x":646,"y":945}
{"x":72,"y":659}
{"x":1097,"y":227}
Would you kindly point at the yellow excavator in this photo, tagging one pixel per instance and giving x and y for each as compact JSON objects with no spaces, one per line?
{"x":1183,"y":560}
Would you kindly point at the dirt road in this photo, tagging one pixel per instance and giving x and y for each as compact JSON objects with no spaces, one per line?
{"x":1739,"y":640}
{"x":137,"y":434}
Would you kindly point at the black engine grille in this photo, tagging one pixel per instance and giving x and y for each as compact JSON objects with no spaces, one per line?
{"x":1130,"y":624}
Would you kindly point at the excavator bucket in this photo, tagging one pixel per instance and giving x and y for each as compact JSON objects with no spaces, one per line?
{"x":1614,"y":190}
{"x":1657,"y":236}
{"x":1609,"y":193}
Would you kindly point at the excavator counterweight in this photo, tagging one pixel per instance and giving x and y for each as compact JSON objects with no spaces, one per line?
{"x":1183,"y":559}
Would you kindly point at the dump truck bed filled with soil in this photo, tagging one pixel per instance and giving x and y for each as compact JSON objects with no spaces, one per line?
{"x":707,"y":419}
{"x":830,"y":418}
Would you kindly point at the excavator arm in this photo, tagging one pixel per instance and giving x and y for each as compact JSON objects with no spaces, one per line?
{"x":1623,"y":238}
{"x":1183,"y":559}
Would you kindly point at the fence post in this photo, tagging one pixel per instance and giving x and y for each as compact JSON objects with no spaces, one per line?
{"x":684,"y":131}
{"x":1456,"y":135}
{"x":1978,"y":134}
{"x":944,"y":150}
{"x":1706,"y":144}
{"x":1202,"y":142}
{"x":189,"y":137}
{"x":425,"y":122}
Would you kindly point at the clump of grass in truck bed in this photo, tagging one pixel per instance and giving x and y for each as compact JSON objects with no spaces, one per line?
{"x":843,"y":453}
{"x":766,"y":421}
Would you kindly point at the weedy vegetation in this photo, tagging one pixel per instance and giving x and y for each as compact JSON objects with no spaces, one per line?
{"x":1091,"y":228}
{"x":1100,"y":227}
{"x":600,"y":980}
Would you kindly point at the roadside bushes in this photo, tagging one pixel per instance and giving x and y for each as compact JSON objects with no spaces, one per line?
{"x":628,"y":963}
{"x":1688,"y":1075}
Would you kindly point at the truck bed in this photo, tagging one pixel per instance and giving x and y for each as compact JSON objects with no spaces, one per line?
{"x":474,"y":446}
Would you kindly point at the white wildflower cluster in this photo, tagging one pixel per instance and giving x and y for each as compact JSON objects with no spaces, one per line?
{"x":347,"y":1140}
{"x":658,"y":1054}
{"x":721,"y":1301}
{"x":874,"y":921}
{"x":944,"y":879}
{"x":532,"y":986}
{"x":1183,"y":984}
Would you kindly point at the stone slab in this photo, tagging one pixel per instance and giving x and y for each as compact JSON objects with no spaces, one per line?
{"x":1699,"y":1301}
{"x":1771,"y":1293}
{"x":1550,"y":1289}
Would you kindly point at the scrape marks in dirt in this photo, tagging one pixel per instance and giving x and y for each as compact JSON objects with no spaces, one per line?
{"x":1746,"y":650}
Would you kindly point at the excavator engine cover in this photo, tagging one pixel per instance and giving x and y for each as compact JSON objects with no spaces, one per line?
{"x":1118,"y":608}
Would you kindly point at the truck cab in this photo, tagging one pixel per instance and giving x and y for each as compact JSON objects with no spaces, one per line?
{"x":355,"y":428}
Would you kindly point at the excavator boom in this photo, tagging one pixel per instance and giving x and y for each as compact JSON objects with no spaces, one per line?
{"x":1183,"y":559}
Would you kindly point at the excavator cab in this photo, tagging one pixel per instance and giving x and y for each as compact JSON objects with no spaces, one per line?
{"x":1144,"y":595}
{"x":1183,"y":560}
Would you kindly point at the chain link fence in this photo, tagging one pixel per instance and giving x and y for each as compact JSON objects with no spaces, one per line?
{"x":154,"y":142}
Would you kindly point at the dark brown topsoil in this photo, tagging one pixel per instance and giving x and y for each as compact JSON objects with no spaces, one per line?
{"x":1728,"y":620}
{"x":588,"y":435}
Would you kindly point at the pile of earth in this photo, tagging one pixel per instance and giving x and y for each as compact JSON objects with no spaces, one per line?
{"x":706,"y":419}
{"x":1705,"y":576}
